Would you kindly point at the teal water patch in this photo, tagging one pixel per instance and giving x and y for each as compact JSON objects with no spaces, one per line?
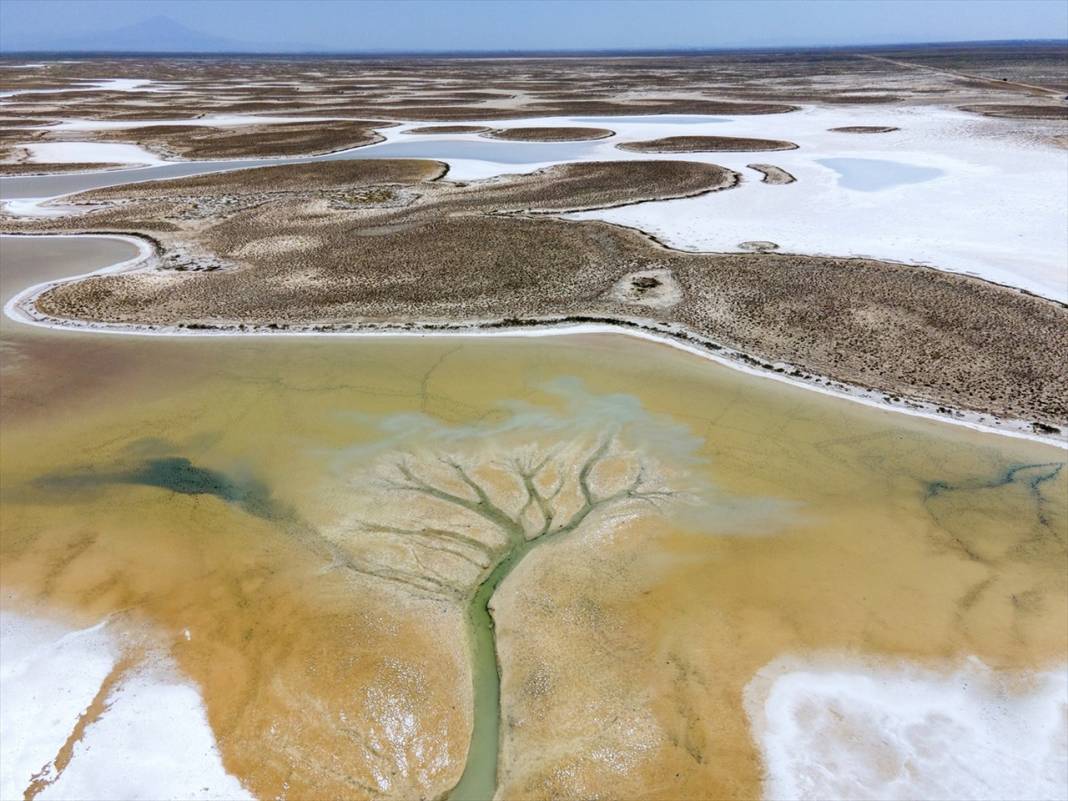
{"x":873,"y":175}
{"x":176,"y":474}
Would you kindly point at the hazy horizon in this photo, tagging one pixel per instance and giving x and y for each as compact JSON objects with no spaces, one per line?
{"x":495,"y":26}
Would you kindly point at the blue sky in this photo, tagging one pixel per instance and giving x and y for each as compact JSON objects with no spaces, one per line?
{"x":414,"y":25}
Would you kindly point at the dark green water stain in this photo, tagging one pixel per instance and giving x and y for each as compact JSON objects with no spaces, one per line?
{"x":1031,"y":475}
{"x":1032,"y":528}
{"x":176,"y":474}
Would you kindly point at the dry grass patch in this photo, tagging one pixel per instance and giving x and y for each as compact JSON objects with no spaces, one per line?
{"x":448,"y":129}
{"x":248,"y":141}
{"x":45,"y":168}
{"x":1019,"y":112}
{"x":865,"y":129}
{"x":705,"y":144}
{"x":549,"y":134}
{"x":320,"y":176}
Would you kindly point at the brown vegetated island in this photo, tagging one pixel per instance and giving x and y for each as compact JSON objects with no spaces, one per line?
{"x":1019,"y":112}
{"x":865,"y":129}
{"x":448,"y":129}
{"x":705,"y":144}
{"x":50,"y":168}
{"x":773,"y":175}
{"x":549,"y":134}
{"x":390,"y":245}
{"x":249,"y":141}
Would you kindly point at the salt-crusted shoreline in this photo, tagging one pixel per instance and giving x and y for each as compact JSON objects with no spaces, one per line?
{"x":22,"y":308}
{"x":75,"y":698}
{"x":938,"y":731}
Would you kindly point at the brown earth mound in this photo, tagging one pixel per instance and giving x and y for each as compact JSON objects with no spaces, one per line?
{"x":1019,"y":112}
{"x":773,"y":175}
{"x":448,"y":129}
{"x":549,"y":134}
{"x":705,"y":144}
{"x":864,"y":129}
{"x":248,"y":141}
{"x":32,"y":168}
{"x":23,"y":122}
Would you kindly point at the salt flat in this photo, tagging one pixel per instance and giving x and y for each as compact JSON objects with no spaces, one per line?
{"x":79,"y":719}
{"x":835,"y":728}
{"x":90,"y":153}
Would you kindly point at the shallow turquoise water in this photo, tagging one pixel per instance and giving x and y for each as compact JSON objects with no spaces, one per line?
{"x":873,"y":175}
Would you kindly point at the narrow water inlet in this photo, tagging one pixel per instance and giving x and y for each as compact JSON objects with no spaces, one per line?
{"x":48,"y":186}
{"x":479,"y":779}
{"x":433,"y":147}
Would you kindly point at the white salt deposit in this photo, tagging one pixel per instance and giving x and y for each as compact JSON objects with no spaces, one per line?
{"x":89,"y":153}
{"x":864,"y":731}
{"x":151,"y":741}
{"x":106,"y":85}
{"x":48,"y":675}
{"x":34,"y":207}
{"x":997,"y":210}
{"x":995,"y":203}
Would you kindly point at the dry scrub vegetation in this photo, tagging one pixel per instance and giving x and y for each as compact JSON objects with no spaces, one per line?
{"x":556,"y":134}
{"x":865,"y":129}
{"x":408,"y":247}
{"x":448,"y":129}
{"x":248,"y":141}
{"x":33,"y":168}
{"x":705,"y":144}
{"x":1020,"y":112}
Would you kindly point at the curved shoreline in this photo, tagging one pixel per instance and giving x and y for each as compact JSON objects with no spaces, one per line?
{"x":42,"y":202}
{"x":54,"y":206}
{"x":22,"y":309}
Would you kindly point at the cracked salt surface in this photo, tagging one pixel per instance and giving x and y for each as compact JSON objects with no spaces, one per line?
{"x":151,"y":741}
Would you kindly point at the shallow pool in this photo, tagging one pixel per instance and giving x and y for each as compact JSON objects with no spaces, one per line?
{"x":45,"y":186}
{"x":655,"y":119}
{"x":478,"y":149}
{"x":873,"y":175}
{"x":481,"y":149}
